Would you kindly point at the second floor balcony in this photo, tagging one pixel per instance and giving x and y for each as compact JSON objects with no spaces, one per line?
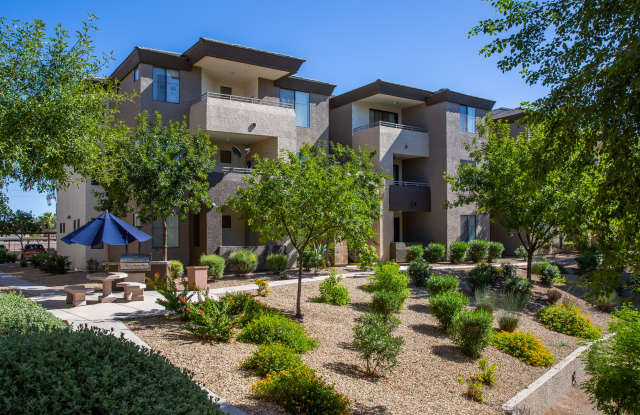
{"x":390,"y":139}
{"x":409,"y":196}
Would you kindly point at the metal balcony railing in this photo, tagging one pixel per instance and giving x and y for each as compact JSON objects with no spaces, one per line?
{"x":388,"y":124}
{"x":264,"y":101}
{"x":238,"y":170}
{"x":404,"y":183}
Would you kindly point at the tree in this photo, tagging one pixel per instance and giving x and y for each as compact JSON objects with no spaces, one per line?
{"x":510,"y":181}
{"x":21,"y":223}
{"x":164,"y":172}
{"x":54,"y":113}
{"x":311,"y":197}
{"x":47,"y":221}
{"x":587,"y":53}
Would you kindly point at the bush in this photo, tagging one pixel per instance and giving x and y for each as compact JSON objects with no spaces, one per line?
{"x":388,"y":277}
{"x":434,"y":252}
{"x":263,"y":287}
{"x":176,"y":269}
{"x":508,"y":322}
{"x":514,"y":301}
{"x":245,"y":309}
{"x":90,"y":371}
{"x":549,"y":273}
{"x":458,"y":251}
{"x":23,"y":262}
{"x":568,"y":319}
{"x":173,"y":300}
{"x":301,"y":391}
{"x":367,"y":257}
{"x":520,"y":252}
{"x":478,"y":250}
{"x":517,"y":285}
{"x":21,"y":315}
{"x":3,"y":255}
{"x":446,"y":305}
{"x":332,"y":291}
{"x":215,"y":263}
{"x":474,"y":388}
{"x":373,"y":339}
{"x":484,"y":275}
{"x":605,"y":301}
{"x":55,"y":264}
{"x":442,"y":283}
{"x":414,"y":252}
{"x":277,"y":263}
{"x":314,"y":257}
{"x":553,"y":296}
{"x":243,"y":261}
{"x":268,"y":329}
{"x":272,"y":358}
{"x":495,"y":250}
{"x":386,"y":302}
{"x":419,"y":272}
{"x":11,"y":257}
{"x":472,"y":330}
{"x":93,"y":265}
{"x":485,"y":299}
{"x":39,"y":258}
{"x":588,"y":261}
{"x":509,"y":271}
{"x":487,"y":374}
{"x":210,"y":320}
{"x":523,"y":346}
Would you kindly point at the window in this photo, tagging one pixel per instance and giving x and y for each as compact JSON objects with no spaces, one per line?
{"x":300,"y":102}
{"x":62,"y":227}
{"x":467,"y":119}
{"x":396,"y":173}
{"x":226,"y":90}
{"x":136,"y":74}
{"x":173,"y":236}
{"x":136,"y":220}
{"x":166,"y":85}
{"x":467,"y":227}
{"x":225,"y":156}
{"x":396,"y":229}
{"x":226,"y":222}
{"x":384,"y":116}
{"x":76,"y":224}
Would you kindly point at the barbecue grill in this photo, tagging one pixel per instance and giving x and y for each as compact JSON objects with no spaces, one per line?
{"x":136,"y":266}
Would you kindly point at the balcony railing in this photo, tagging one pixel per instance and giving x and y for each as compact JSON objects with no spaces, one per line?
{"x":264,"y":101}
{"x":238,"y":170}
{"x":388,"y":124}
{"x":403,"y":183}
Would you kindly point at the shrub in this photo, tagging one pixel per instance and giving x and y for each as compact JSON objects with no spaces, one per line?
{"x":553,"y":296}
{"x":440,"y":283}
{"x":243,"y":261}
{"x":419,"y":272}
{"x":508,"y":321}
{"x":517,"y":285}
{"x":267,"y":329}
{"x":301,"y":391}
{"x":434,"y":252}
{"x":520,"y":252}
{"x":523,"y":346}
{"x":484,"y":275}
{"x":514,"y":301}
{"x":23,"y":262}
{"x":93,"y":265}
{"x":458,"y":251}
{"x":90,"y":371}
{"x":3,"y":255}
{"x":272,"y":358}
{"x":277,"y":263}
{"x":446,"y":305}
{"x":373,"y":339}
{"x":549,"y":273}
{"x":509,"y":271}
{"x":414,"y":252}
{"x":332,"y":291}
{"x":495,"y":250}
{"x":209,"y":320}
{"x":21,"y":315}
{"x":386,"y":302}
{"x":605,"y":301}
{"x":314,"y":257}
{"x":474,"y":388}
{"x":39,"y":258}
{"x":588,"y":261}
{"x":478,"y":250}
{"x":11,"y":257}
{"x":568,"y":319}
{"x":367,"y":257}
{"x":55,"y":264}
{"x":538,"y":265}
{"x":245,"y":309}
{"x":472,"y":330}
{"x":177,"y":269}
{"x":487,"y":374}
{"x":388,"y":277}
{"x":485,"y":299}
{"x":263,"y":287}
{"x":173,"y":300}
{"x":215,"y":263}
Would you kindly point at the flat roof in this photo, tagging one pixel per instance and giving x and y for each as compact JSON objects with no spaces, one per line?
{"x":306,"y":85}
{"x":507,"y":114}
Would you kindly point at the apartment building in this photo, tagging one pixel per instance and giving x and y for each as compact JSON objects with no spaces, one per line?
{"x":247,"y":100}
{"x":417,"y":135}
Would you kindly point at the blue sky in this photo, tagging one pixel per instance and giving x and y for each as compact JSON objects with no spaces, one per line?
{"x":347,"y":43}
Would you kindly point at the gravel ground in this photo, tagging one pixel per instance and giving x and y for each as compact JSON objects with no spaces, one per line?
{"x":55,"y":281}
{"x":424,"y":382}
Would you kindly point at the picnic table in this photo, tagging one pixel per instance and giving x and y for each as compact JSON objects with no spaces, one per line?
{"x":107,"y":279}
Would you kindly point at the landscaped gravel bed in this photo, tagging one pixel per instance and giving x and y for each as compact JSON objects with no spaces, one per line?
{"x":424,"y":382}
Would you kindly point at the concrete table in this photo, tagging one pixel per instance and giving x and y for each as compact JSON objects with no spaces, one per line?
{"x":107,"y":279}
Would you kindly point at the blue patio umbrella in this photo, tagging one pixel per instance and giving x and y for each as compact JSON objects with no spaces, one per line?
{"x":107,"y":229}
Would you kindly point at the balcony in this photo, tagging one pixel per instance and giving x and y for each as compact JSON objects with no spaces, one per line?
{"x":390,"y":125}
{"x":392,"y":139}
{"x":409,"y":196}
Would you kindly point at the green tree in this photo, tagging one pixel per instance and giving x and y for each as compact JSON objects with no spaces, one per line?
{"x":164,"y":172}
{"x":47,"y":220}
{"x":21,"y":223}
{"x":312,"y":197}
{"x":510,"y":181}
{"x":588,"y":54}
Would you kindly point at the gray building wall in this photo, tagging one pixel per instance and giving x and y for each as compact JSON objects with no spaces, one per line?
{"x":340,"y":129}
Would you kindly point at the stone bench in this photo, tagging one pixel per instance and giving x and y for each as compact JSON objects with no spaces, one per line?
{"x":133,"y":291}
{"x":76,"y":295}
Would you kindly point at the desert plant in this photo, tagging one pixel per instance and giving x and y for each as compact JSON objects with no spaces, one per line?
{"x":487,"y":374}
{"x":553,"y":296}
{"x":588,"y":260}
{"x":549,"y":273}
{"x":332,"y":291}
{"x":478,"y":250}
{"x":439,"y":283}
{"x":508,"y":321}
{"x":458,"y":251}
{"x":509,"y":271}
{"x":517,"y":285}
{"x":367,"y":257}
{"x":483,"y":276}
{"x":520,"y":252}
{"x":605,"y":301}
{"x":19,"y":315}
{"x":209,"y":319}
{"x":3,"y":255}
{"x":414,"y":252}
{"x":263,"y":287}
{"x":386,"y":302}
{"x":93,"y":265}
{"x":39,"y":258}
{"x":568,"y":319}
{"x":373,"y":339}
{"x":419,"y":272}
{"x":215,"y":263}
{"x":243,"y":261}
{"x":523,"y":346}
{"x":446,"y":305}
{"x":12,"y":257}
{"x":474,"y":388}
{"x":495,"y":250}
{"x":23,"y":262}
{"x":277,"y":263}
{"x":173,"y":300}
{"x":55,"y":264}
{"x":434,"y":252}
{"x":176,"y":269}
{"x":388,"y":277}
{"x":267,"y":329}
{"x":514,"y":301}
{"x":315,"y":257}
{"x":472,"y":331}
{"x":485,"y":299}
{"x":272,"y":358}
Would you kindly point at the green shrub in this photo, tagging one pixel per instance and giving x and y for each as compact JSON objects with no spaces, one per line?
{"x":446,"y":305}
{"x":478,"y":250}
{"x":520,"y":252}
{"x":509,"y":271}
{"x":604,"y":301}
{"x":508,"y":321}
{"x":386,"y":302}
{"x":267,"y":329}
{"x":389,"y":277}
{"x":419,"y":272}
{"x":435,"y":252}
{"x":495,"y":250}
{"x":215,"y":263}
{"x":177,"y":269}
{"x":568,"y":319}
{"x":39,"y":258}
{"x":277,"y":263}
{"x":373,"y":339}
{"x":588,"y":261}
{"x":245,"y":309}
{"x":11,"y":257}
{"x":414,"y":252}
{"x":484,"y":275}
{"x":517,"y":285}
{"x":485,"y":299}
{"x":92,"y":372}
{"x":458,"y":251}
{"x":487,"y":374}
{"x":172,"y":299}
{"x":210,"y":320}
{"x":3,"y":255}
{"x":549,"y":274}
{"x":21,"y":315}
{"x":243,"y":261}
{"x":553,"y":296}
{"x":515,"y":301}
{"x":440,"y":283}
{"x":367,"y":257}
{"x":472,"y":331}
{"x":301,"y":391}
{"x":23,"y":262}
{"x":523,"y":346}
{"x":314,"y":257}
{"x":272,"y":358}
{"x":55,"y":264}
{"x":332,"y":291}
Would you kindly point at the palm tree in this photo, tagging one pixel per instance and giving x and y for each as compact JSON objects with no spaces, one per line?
{"x":48,"y":222}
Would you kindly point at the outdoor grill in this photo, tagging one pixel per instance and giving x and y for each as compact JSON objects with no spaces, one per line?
{"x":136,"y":266}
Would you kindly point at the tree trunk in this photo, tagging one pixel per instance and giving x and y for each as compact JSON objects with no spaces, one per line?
{"x":529,"y":259}
{"x":164,"y":239}
{"x":298,"y":309}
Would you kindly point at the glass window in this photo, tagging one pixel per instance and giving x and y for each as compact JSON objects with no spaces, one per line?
{"x":467,"y":227}
{"x":136,"y":74}
{"x":384,"y":116}
{"x":159,"y":84}
{"x":302,"y":109}
{"x":287,"y":96}
{"x":173,"y":236}
{"x":226,"y":222}
{"x":463,"y":117}
{"x":173,"y":86}
{"x":471,"y":119}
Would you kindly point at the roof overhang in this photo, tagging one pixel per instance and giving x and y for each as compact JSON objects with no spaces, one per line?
{"x":380,"y":87}
{"x":165,"y":59}
{"x":306,"y":85}
{"x":446,"y":95}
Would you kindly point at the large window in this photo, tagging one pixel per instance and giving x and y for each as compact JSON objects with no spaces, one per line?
{"x":173,"y":234}
{"x":384,"y":116}
{"x":467,"y":119}
{"x":467,"y":227}
{"x":166,"y":85}
{"x":300,"y":102}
